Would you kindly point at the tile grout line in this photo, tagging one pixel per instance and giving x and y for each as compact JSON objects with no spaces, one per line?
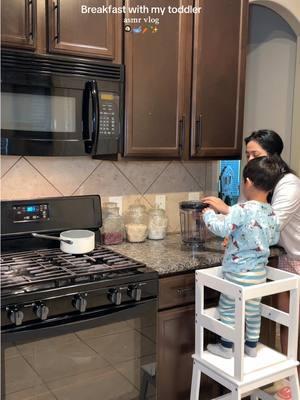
{"x":110,"y":364}
{"x":15,"y":163}
{"x":36,"y":372}
{"x":197,"y":183}
{"x":132,"y":184}
{"x":158,"y":176}
{"x":79,"y":186}
{"x":50,"y":183}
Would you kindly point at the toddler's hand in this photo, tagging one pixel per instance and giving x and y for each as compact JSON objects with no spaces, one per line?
{"x":217,"y":204}
{"x":225,"y":242}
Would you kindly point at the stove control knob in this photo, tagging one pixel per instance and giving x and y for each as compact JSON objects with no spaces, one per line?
{"x":115,"y":296}
{"x":15,"y":315}
{"x":41,"y":311}
{"x":135,"y":292}
{"x":80,"y":302}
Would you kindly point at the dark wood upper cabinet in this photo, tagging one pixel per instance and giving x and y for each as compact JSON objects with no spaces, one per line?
{"x":18,"y":24}
{"x":85,"y":34}
{"x":167,"y":113}
{"x":158,"y":78}
{"x":220,"y":40}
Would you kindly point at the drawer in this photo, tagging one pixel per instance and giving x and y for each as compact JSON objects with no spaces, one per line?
{"x":176,"y":290}
{"x":179,"y":290}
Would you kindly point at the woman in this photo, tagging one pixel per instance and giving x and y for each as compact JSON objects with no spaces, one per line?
{"x":285,"y":201}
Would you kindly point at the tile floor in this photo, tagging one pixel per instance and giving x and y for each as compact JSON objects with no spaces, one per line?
{"x":102,"y":363}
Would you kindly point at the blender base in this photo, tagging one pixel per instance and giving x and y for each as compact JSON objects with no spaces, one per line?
{"x":192,"y":246}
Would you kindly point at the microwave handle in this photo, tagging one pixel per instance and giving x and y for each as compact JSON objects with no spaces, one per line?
{"x":91,"y":138}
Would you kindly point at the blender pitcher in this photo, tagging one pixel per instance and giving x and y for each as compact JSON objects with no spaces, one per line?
{"x":193,"y":229}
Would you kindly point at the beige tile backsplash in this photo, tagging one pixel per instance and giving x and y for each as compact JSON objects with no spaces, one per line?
{"x":135,"y":181}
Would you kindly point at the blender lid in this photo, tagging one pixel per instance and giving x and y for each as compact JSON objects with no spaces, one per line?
{"x":193,"y":205}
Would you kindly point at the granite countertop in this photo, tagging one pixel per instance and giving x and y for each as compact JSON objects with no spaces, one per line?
{"x":168,"y":257}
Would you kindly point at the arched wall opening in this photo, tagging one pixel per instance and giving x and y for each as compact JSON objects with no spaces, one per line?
{"x":273,"y":73}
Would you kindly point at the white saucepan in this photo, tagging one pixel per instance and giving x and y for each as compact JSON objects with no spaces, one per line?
{"x":77,"y":241}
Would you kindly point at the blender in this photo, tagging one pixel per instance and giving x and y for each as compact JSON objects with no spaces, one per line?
{"x":193,"y":229}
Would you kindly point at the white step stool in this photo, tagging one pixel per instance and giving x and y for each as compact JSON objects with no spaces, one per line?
{"x":244,"y":375}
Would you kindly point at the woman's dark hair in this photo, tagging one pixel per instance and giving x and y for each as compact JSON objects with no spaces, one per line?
{"x":264,"y":172}
{"x":272,"y":143}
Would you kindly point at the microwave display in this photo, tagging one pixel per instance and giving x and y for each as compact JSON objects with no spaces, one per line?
{"x":108,"y":112}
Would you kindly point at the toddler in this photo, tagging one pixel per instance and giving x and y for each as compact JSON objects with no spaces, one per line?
{"x":250,"y":228}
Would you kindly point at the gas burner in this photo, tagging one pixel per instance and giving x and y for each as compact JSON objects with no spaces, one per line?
{"x":49,"y":268}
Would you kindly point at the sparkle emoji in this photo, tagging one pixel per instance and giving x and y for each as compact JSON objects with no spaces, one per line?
{"x":155,"y":29}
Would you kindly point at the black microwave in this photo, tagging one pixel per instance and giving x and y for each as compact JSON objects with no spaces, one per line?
{"x":60,"y":106}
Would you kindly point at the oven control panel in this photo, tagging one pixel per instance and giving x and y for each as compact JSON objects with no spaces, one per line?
{"x":30,"y":212}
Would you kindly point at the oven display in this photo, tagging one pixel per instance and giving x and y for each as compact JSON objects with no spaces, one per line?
{"x":30,"y":212}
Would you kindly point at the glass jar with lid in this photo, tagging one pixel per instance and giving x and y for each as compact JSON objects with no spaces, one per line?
{"x":113,"y":224}
{"x":136,"y":223}
{"x":158,"y":222}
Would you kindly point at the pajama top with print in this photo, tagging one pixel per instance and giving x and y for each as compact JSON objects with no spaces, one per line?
{"x":251,"y":228}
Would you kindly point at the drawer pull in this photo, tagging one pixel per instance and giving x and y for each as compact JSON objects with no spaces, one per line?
{"x":184,"y":291}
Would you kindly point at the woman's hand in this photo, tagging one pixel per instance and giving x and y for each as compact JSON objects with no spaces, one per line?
{"x":217,"y":204}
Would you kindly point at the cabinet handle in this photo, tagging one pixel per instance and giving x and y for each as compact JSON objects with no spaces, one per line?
{"x":29,"y":18}
{"x":184,"y":291}
{"x":181,"y":129}
{"x":57,"y":9}
{"x":199,"y":132}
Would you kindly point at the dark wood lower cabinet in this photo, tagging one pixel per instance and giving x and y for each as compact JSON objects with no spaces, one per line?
{"x":176,"y":345}
{"x":176,"y":338}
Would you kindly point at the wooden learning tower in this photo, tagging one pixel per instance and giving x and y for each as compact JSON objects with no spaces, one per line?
{"x":244,"y":375}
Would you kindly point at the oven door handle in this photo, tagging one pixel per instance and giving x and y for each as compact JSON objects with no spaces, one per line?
{"x":62,"y":325}
{"x":91,"y":138}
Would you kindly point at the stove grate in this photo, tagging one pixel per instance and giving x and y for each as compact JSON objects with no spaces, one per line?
{"x":35,"y":269}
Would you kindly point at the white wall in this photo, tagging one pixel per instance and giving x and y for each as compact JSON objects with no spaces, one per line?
{"x":270,"y":76}
{"x":289,"y":10}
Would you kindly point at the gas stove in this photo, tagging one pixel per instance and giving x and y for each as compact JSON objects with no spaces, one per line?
{"x":29,"y":271}
{"x":40,"y":283}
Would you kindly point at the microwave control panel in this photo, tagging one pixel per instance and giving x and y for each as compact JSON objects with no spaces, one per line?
{"x":109,"y":114}
{"x":30,"y":212}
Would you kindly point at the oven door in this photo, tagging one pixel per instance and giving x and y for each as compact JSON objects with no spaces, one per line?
{"x":97,"y":355}
{"x":58,"y":115}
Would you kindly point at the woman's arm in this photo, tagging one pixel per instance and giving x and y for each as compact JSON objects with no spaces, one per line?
{"x":286,"y":199}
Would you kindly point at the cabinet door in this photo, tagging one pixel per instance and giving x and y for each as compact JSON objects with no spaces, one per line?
{"x":158,"y":76}
{"x":176,"y":338}
{"x":18,"y":18}
{"x":220,"y":39}
{"x":74,"y":32}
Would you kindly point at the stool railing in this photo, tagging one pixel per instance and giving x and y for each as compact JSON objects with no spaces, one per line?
{"x":279,"y":281}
